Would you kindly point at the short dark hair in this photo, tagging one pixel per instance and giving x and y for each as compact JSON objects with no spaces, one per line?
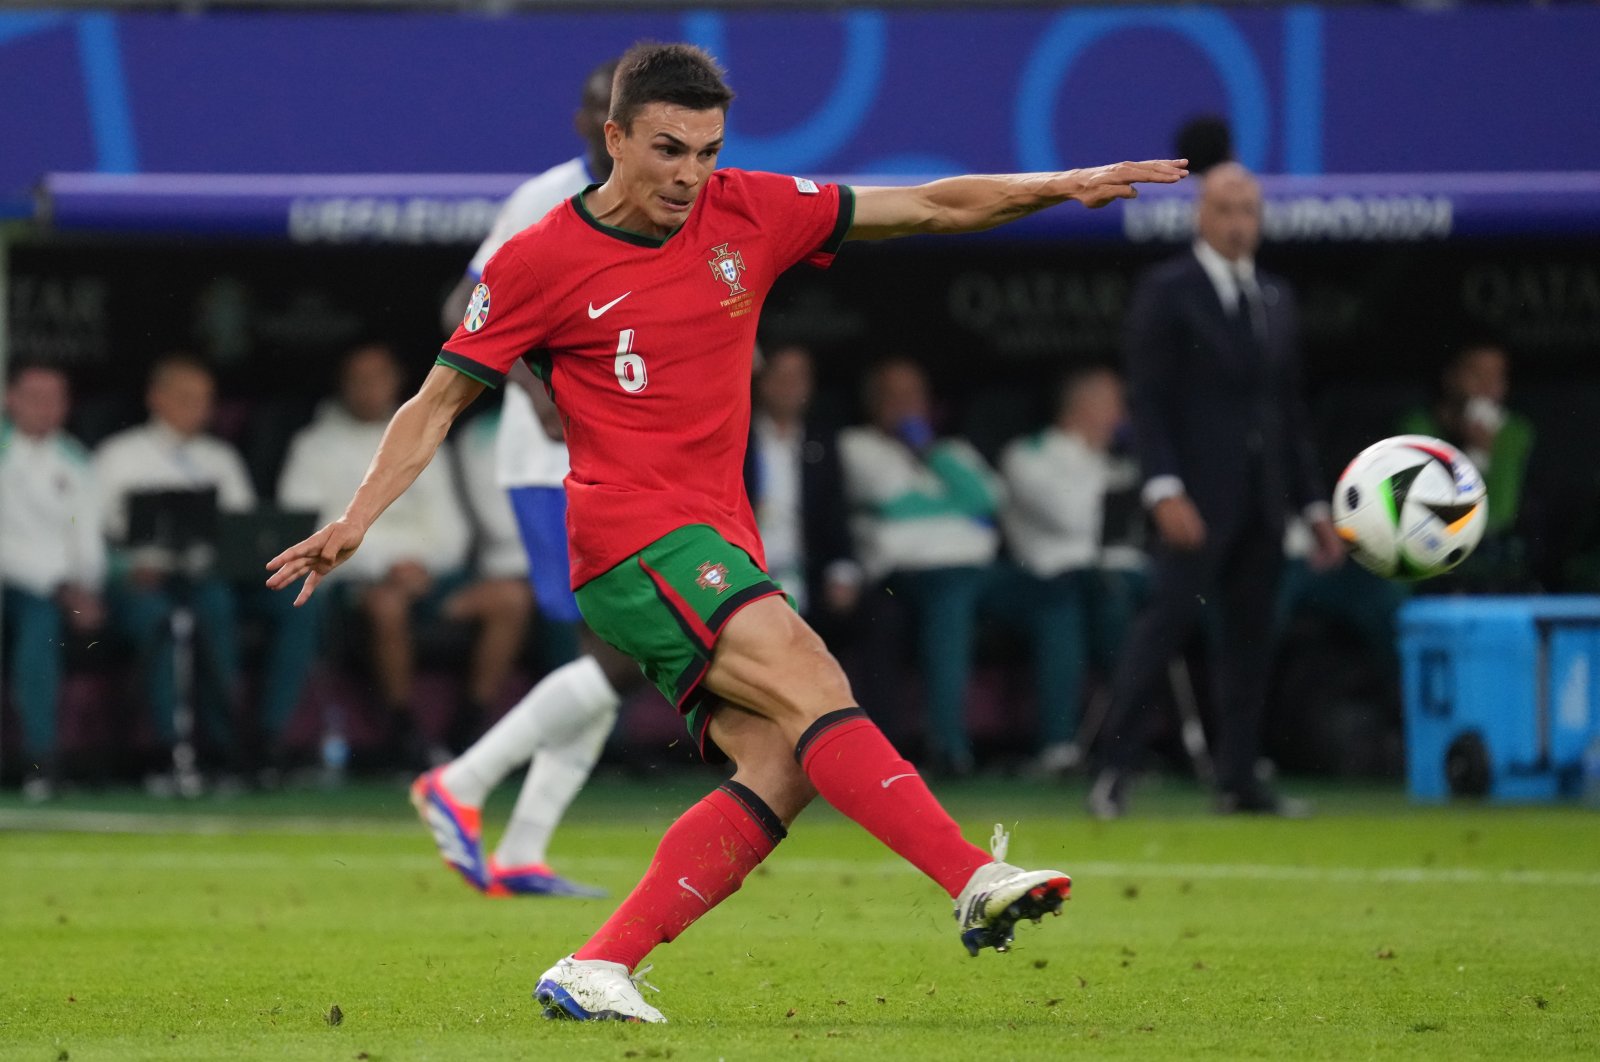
{"x":872,"y":382}
{"x":1072,"y":382}
{"x":20,"y":367}
{"x":178,"y":361}
{"x":680,"y":74}
{"x":607,"y":71}
{"x":1205,"y":141}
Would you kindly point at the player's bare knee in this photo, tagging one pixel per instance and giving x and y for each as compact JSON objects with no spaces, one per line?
{"x":510,"y":599}
{"x":384,"y":603}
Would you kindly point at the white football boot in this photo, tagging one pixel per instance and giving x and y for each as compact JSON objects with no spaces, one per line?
{"x":595,"y":990}
{"x":999,"y":895}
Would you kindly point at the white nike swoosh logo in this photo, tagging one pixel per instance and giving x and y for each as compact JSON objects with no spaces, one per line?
{"x":887,"y":782}
{"x":594,"y":313}
{"x":685,"y":883}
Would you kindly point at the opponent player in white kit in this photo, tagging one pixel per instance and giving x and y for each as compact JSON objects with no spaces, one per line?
{"x":562,"y":723}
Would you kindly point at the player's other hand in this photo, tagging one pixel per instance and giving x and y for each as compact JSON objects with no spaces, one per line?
{"x":314,"y":557}
{"x":1179,"y":522}
{"x":1102,"y":184}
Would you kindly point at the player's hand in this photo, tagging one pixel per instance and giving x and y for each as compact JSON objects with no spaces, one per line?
{"x":1330,"y":549}
{"x":86,"y":610}
{"x":1179,"y":522}
{"x":842,"y":595}
{"x":314,"y":558}
{"x":1103,"y":184}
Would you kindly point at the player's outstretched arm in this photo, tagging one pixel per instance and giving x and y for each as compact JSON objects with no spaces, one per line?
{"x":975,"y":203}
{"x":409,"y":442}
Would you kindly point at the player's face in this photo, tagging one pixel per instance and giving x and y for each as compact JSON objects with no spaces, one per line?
{"x":1229,"y":214}
{"x":1097,"y":410}
{"x":1482,"y":374}
{"x":181,"y":399}
{"x":662,"y":163}
{"x":785,"y":386}
{"x":37,"y":402}
{"x":902,"y":394}
{"x":370,"y":386}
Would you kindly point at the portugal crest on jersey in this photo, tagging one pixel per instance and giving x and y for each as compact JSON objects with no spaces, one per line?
{"x":477,"y":309}
{"x":728,"y":267}
{"x":713,"y":577}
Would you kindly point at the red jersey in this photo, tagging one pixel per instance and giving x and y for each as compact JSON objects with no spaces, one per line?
{"x":646,"y":347}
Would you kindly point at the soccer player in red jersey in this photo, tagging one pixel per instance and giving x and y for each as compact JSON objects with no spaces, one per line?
{"x":636,"y":302}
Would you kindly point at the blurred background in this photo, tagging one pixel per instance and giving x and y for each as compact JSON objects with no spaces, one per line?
{"x":270,"y":189}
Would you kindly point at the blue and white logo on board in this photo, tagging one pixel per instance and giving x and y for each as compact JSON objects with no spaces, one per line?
{"x":806,"y":187}
{"x":477,"y":309}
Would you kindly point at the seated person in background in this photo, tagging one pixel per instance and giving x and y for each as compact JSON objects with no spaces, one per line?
{"x":924,"y":525}
{"x":797,"y":490}
{"x":1073,"y":583}
{"x":52,"y":557}
{"x":1471,"y":414}
{"x":414,"y":561}
{"x":500,"y":564}
{"x":172,"y":452}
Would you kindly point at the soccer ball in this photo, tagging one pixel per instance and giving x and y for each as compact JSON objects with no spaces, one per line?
{"x":1410,"y":507}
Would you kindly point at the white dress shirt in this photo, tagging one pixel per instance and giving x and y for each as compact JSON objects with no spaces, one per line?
{"x":154,"y":457}
{"x":427,"y":524}
{"x":50,"y":533}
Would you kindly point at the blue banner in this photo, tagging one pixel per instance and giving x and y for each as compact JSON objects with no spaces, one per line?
{"x":459,"y":209}
{"x":1307,"y":91}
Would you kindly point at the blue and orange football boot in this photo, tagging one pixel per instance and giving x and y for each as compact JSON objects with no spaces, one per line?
{"x":457,"y":828}
{"x":535,"y":879}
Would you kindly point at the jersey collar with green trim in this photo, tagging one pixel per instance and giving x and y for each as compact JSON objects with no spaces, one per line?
{"x":638,"y":239}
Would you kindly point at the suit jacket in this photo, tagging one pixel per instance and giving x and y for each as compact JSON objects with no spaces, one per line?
{"x":1223,"y":412}
{"x":824,"y":513}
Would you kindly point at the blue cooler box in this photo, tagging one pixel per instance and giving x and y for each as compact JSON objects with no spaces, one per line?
{"x":1502,"y":695}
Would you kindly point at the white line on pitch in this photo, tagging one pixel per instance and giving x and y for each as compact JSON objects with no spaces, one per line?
{"x":1087,"y":873}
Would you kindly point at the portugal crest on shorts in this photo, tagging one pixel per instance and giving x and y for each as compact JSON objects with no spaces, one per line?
{"x":477,"y":309}
{"x":713,"y":577}
{"x":728,"y":267}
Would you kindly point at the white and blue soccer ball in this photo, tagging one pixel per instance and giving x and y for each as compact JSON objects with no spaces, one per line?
{"x":1410,"y":507}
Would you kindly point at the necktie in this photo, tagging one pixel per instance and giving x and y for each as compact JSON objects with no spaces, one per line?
{"x":1249,"y":311}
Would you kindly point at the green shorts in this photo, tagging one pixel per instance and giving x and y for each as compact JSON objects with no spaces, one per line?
{"x":665,"y":607}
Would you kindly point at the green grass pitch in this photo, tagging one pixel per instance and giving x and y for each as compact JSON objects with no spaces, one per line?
{"x":231,"y":929}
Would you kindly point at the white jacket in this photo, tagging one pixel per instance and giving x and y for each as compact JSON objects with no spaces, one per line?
{"x":913,"y":513}
{"x":1055,"y":493}
{"x":154,"y":457}
{"x":427,"y":524}
{"x":50,"y":533}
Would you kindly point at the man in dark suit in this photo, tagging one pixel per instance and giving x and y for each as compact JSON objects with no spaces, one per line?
{"x":1222,"y":437}
{"x":797,"y":490}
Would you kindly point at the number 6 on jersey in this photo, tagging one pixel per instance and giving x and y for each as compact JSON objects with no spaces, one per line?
{"x":629,"y":366}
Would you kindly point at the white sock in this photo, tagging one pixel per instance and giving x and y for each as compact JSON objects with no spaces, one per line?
{"x":556,"y":775}
{"x":559,"y":709}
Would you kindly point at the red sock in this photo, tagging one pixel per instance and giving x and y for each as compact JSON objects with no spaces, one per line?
{"x":702,"y":860}
{"x":856,"y":770}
